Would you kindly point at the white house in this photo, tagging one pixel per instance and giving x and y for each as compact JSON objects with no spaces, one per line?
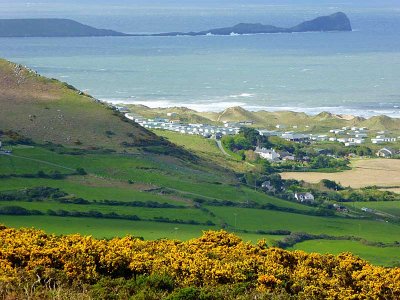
{"x":386,"y":152}
{"x":304,"y":197}
{"x":381,"y":139}
{"x":269,"y":154}
{"x":269,"y":133}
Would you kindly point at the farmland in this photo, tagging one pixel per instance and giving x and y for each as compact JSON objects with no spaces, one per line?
{"x":175,"y":197}
{"x":389,"y":207}
{"x":364,"y":172}
{"x":251,"y":219}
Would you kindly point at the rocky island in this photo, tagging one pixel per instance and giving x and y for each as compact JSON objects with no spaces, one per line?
{"x":335,"y":22}
{"x":70,"y":28}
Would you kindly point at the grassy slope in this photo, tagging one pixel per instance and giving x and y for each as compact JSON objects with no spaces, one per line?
{"x":205,"y":148}
{"x":48,"y":110}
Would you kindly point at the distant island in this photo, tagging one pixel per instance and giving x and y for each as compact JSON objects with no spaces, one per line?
{"x":50,"y":28}
{"x":335,"y":22}
{"x":70,"y":28}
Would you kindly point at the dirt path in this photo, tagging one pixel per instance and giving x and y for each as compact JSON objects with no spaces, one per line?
{"x":43,"y":162}
{"x":219,"y":144}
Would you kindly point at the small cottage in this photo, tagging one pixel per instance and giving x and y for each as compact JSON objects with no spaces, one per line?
{"x":304,"y":197}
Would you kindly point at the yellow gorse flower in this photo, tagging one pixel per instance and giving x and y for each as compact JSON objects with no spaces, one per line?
{"x":217,"y":257}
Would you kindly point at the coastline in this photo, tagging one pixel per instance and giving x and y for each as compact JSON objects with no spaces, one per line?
{"x":219,"y":107}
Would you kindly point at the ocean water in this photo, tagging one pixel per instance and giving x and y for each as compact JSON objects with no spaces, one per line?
{"x":343,"y":72}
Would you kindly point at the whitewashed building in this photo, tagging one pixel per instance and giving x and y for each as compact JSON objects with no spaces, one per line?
{"x":269,"y":154}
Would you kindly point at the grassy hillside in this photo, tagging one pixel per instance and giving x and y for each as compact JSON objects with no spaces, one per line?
{"x":46,"y":110}
{"x":382,"y":123}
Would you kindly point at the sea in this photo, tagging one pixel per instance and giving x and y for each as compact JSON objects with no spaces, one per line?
{"x":355,"y":73}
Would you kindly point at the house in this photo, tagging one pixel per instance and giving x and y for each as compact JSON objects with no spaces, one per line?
{"x":294,"y":137}
{"x":336,"y":131}
{"x":122,"y":109}
{"x":266,"y":185}
{"x":349,"y":144}
{"x":246,"y":123}
{"x":218,"y":135}
{"x":284,"y":153}
{"x":289,"y":157}
{"x":269,"y":133}
{"x":231,"y":124}
{"x":322,"y":138}
{"x":386,"y":152}
{"x":269,"y":154}
{"x":304,"y":197}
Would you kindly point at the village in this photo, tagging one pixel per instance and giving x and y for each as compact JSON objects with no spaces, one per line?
{"x":346,"y":136}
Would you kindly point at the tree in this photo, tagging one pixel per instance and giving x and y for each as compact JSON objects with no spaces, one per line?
{"x":81,"y":171}
{"x":267,"y":167}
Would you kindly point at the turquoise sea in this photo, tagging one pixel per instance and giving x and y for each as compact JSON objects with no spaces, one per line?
{"x":350,"y":72}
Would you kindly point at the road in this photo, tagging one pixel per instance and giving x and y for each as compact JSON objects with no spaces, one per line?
{"x":219,"y":144}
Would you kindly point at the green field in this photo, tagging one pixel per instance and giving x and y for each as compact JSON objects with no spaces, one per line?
{"x":391,"y":208}
{"x":254,"y":219}
{"x":164,"y":180}
{"x":100,"y":228}
{"x":387,"y":256}
{"x":206,"y":148}
{"x":191,"y":142}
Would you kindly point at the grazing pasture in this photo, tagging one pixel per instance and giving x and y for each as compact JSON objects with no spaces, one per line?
{"x":385,"y":256}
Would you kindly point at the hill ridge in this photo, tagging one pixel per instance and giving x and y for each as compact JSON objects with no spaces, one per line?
{"x":47,"y":110}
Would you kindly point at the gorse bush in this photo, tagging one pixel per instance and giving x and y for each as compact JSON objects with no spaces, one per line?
{"x":216,"y":262}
